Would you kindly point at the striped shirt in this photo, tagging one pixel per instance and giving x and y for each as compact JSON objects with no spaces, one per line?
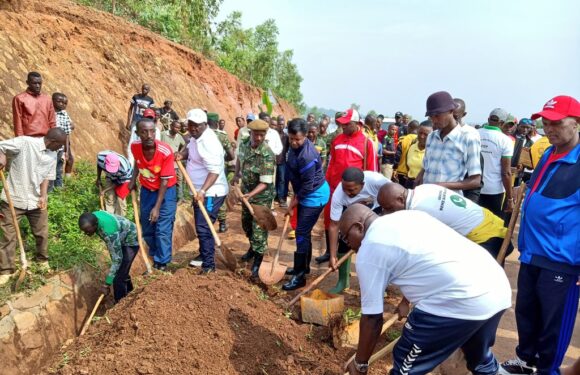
{"x":451,"y":158}
{"x":125,"y":169}
{"x":32,"y":163}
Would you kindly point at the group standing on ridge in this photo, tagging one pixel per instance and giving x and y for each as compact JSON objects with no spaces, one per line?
{"x":425,"y":205}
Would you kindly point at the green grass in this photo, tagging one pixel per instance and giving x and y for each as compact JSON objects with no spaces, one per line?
{"x":68,"y":247}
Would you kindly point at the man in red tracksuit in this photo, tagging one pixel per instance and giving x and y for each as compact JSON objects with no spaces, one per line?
{"x":349,"y":149}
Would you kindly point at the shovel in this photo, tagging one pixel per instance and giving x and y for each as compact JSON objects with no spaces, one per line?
{"x":272,"y":272}
{"x":262,"y":215}
{"x":508,"y":236}
{"x":23,"y":260}
{"x":140,"y":233}
{"x":224,"y":254}
{"x":319,"y":279}
{"x":88,"y":322}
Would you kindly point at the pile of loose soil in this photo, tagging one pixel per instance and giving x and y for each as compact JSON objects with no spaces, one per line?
{"x":190,"y":324}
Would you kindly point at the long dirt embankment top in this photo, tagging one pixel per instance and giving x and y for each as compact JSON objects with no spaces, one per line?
{"x":100,"y":61}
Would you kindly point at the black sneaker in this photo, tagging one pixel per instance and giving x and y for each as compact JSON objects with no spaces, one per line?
{"x":196,"y":262}
{"x":223,"y":227}
{"x":516,"y":366}
{"x":160,"y":267}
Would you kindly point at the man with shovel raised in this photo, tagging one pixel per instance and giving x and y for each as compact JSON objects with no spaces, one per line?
{"x":255,"y":168}
{"x":33,"y":165}
{"x":205,"y":167}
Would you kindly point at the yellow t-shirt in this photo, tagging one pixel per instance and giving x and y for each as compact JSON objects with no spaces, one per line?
{"x":538,"y":148}
{"x":491,"y":226}
{"x":414,"y":160}
{"x":405,"y":142}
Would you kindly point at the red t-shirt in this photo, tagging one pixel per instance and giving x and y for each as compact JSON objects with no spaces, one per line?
{"x":349,"y":151}
{"x":151,"y":172}
{"x":552,"y":158}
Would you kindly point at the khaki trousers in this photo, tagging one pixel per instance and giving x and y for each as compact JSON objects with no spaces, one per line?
{"x":38,"y":220}
{"x":114,"y":204}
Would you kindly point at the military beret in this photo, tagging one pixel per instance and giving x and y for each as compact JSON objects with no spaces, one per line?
{"x":258,"y":125}
{"x":213,"y":116}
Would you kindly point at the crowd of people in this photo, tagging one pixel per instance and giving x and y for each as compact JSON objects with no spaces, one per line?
{"x":424,"y":205}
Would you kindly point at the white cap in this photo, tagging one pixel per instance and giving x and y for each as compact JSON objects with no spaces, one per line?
{"x":197,"y":115}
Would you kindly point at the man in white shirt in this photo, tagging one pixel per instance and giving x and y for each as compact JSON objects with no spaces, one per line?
{"x":272,"y":137}
{"x":458,"y":291}
{"x":356,"y":187}
{"x":497,"y":150}
{"x":33,"y":165}
{"x":205,"y":167}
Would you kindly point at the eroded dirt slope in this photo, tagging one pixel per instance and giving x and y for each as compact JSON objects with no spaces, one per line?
{"x":100,"y":61}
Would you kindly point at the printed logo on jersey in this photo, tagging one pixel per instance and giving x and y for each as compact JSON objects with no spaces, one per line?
{"x":458,"y":200}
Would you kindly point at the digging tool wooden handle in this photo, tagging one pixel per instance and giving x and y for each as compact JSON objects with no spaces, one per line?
{"x":386,"y":326}
{"x":102,"y":195}
{"x":319,"y":279}
{"x":23,"y":260}
{"x":88,"y":322}
{"x":280,"y":241}
{"x":513,"y":220}
{"x":216,"y":238}
{"x":246,"y":202}
{"x":140,"y":232}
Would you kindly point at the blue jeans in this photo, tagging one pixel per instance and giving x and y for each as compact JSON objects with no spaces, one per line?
{"x":59,"y":171}
{"x":307,"y":218}
{"x":281,"y":182}
{"x":206,"y":241}
{"x":427,"y":340}
{"x":159,"y":235}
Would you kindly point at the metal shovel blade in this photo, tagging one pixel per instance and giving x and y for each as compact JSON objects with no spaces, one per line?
{"x":264,"y":217}
{"x":271,"y":273}
{"x":227,"y":257}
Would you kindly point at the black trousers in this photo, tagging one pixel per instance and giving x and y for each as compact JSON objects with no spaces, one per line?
{"x":493,"y":202}
{"x":122,"y":284}
{"x":546,"y":308}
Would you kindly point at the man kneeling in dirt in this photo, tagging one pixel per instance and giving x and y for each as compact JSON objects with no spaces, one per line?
{"x":458,"y":291}
{"x":120,"y":235}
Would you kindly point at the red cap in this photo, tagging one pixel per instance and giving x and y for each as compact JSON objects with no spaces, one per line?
{"x":558,"y":108}
{"x":350,"y":115}
{"x":149,"y":113}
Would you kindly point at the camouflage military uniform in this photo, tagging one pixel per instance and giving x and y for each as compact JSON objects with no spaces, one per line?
{"x":225,"y":141}
{"x":256,"y":165}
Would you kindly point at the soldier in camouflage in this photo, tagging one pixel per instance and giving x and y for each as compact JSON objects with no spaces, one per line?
{"x":255,"y":168}
{"x":213,"y":120}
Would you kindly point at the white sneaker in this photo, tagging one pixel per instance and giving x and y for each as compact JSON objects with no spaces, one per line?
{"x":516,"y":366}
{"x":4,"y":279}
{"x":196,"y":262}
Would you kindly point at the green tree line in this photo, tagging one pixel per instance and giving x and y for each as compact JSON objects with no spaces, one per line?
{"x":251,"y":54}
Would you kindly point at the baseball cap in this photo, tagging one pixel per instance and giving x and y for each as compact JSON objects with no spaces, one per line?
{"x":439,"y":102}
{"x":348,"y":116}
{"x":149,"y":113}
{"x":558,"y":108}
{"x":399,"y":114}
{"x":112,"y":163}
{"x":500,"y":113}
{"x":250,"y":116}
{"x":197,"y":115}
{"x":526,"y":121}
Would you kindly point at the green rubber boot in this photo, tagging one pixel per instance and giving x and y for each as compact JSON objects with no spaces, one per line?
{"x":343,"y":277}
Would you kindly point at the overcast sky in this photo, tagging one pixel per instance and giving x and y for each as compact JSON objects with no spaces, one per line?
{"x":390,"y":55}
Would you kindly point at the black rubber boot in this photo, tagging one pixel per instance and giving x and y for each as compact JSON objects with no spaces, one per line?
{"x":248,"y":255}
{"x":326,"y":256}
{"x":256,"y":265}
{"x":298,"y":280}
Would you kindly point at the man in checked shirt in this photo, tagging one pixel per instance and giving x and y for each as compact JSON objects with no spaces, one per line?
{"x":63,"y":121}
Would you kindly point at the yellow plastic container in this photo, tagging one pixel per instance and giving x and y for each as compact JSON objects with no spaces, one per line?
{"x":320,"y":307}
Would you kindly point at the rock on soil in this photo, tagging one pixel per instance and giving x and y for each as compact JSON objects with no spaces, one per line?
{"x":190,"y":324}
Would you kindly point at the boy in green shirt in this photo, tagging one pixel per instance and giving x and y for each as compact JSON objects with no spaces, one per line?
{"x":120,"y":235}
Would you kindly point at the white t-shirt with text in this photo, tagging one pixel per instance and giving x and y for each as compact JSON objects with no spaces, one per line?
{"x":439,"y":271}
{"x":494,"y":146}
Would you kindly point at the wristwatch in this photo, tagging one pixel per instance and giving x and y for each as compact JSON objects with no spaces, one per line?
{"x":361,"y":367}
